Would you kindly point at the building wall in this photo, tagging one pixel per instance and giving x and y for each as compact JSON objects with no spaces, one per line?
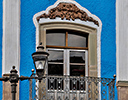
{"x":1,"y":17}
{"x":104,"y":9}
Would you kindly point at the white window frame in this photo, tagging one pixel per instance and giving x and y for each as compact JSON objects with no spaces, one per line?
{"x":66,"y":64}
{"x":66,"y":67}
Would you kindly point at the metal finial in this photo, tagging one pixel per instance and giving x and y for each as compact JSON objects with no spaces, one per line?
{"x":32,"y":70}
{"x":114,"y":76}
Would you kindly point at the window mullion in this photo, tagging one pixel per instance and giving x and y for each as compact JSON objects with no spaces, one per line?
{"x":66,"y":39}
{"x":86,"y":63}
{"x":66,"y":71}
{"x":66,"y":62}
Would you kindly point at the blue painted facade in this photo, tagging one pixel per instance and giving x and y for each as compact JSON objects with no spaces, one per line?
{"x":1,"y":16}
{"x":104,"y":9}
{"x":28,"y":10}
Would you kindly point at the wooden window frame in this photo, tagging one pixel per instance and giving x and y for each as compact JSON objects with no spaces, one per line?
{"x":92,"y":41}
{"x":66,"y":42}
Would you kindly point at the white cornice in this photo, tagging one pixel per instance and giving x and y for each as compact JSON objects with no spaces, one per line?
{"x":64,"y":1}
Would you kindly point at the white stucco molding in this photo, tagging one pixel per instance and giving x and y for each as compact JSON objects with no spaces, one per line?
{"x":122,"y":40}
{"x":86,"y":23}
{"x":11,"y":35}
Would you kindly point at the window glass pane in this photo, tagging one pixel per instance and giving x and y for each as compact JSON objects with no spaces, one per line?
{"x":55,"y":56}
{"x":55,"y":37}
{"x":77,"y":57}
{"x":77,"y":70}
{"x":55,"y":69}
{"x":77,"y":40}
{"x":55,"y":62}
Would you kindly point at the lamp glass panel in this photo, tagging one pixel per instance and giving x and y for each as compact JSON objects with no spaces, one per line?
{"x":40,"y":64}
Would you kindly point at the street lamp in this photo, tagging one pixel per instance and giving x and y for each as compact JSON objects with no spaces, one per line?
{"x":40,"y":58}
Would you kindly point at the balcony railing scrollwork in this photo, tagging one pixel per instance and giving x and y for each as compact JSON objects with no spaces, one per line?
{"x":72,"y":88}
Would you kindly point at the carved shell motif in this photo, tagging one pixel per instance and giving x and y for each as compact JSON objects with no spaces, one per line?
{"x":68,"y":11}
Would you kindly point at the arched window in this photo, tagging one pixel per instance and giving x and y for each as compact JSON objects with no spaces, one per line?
{"x":71,"y":35}
{"x":67,"y":25}
{"x":64,"y":39}
{"x":68,"y":50}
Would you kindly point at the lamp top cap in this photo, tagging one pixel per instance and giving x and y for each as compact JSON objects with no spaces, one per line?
{"x":40,"y":46}
{"x":40,"y":50}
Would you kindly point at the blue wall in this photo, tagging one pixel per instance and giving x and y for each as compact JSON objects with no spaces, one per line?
{"x":27,"y":38}
{"x":1,"y":10}
{"x":104,"y":9}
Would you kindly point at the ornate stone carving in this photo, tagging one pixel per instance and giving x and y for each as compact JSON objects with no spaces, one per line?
{"x":68,"y":11}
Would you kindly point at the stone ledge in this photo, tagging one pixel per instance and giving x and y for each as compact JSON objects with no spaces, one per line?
{"x":122,"y":84}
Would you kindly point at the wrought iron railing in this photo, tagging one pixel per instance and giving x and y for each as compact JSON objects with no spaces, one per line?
{"x":72,"y":88}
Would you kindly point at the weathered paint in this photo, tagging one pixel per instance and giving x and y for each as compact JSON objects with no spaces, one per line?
{"x":104,"y":9}
{"x":1,"y":15}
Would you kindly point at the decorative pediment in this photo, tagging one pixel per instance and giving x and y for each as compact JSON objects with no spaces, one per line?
{"x":69,"y":11}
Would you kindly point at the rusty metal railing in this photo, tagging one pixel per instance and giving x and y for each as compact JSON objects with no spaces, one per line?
{"x":72,"y":88}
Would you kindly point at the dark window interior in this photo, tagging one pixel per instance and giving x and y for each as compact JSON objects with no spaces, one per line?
{"x":66,"y":39}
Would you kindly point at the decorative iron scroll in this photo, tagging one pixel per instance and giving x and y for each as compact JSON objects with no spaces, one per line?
{"x":68,"y":11}
{"x":72,"y":88}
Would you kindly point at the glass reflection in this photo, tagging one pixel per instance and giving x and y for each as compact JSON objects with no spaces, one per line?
{"x":40,"y":64}
{"x":55,"y":37}
{"x":77,"y":70}
{"x":76,"y":40}
{"x":55,"y":56}
{"x":77,"y":57}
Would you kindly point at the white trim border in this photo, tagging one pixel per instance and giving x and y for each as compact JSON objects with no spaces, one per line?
{"x":11,"y":35}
